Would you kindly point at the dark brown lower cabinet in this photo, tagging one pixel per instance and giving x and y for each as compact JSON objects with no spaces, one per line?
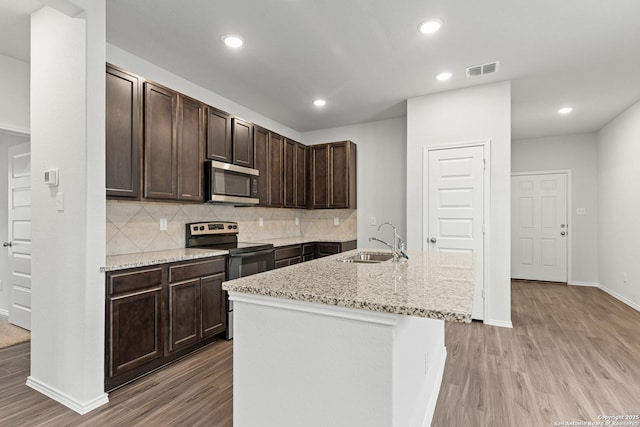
{"x":294,"y":254}
{"x":155,"y":315}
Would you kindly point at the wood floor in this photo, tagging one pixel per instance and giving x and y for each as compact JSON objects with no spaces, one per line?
{"x":573,"y":354}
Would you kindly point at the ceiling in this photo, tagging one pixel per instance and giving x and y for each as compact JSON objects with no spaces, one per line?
{"x":366,"y":57}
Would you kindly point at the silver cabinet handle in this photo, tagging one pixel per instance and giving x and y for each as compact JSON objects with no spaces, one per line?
{"x":433,"y":240}
{"x":562,"y":233}
{"x":6,"y":244}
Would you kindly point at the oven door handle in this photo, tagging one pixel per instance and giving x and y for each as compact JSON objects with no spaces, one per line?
{"x":250,"y":254}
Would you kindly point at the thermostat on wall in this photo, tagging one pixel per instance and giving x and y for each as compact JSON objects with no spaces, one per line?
{"x":51,"y":177}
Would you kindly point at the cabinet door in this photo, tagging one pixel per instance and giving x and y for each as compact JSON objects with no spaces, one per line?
{"x":123,"y":133}
{"x":184,"y":313}
{"x":219,"y":136}
{"x":261,"y":162}
{"x":214,"y":310}
{"x":191,"y":134}
{"x":135,"y":330}
{"x":301,"y":175}
{"x":242,"y":143}
{"x":339,"y":175}
{"x":275,"y":164}
{"x":160,"y":151}
{"x":319,"y":174}
{"x":290,"y":174}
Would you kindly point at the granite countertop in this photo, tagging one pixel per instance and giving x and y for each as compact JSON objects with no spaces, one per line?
{"x":121,"y":262}
{"x":286,"y":241}
{"x":427,"y":285}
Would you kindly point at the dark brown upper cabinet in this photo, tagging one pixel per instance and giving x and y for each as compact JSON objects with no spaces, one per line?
{"x":242,"y":143}
{"x":333,"y":175}
{"x":295,"y":174}
{"x":173,"y":145}
{"x":229,"y":139}
{"x":268,"y":152}
{"x":123,"y":133}
{"x":191,"y":141}
{"x":219,"y":136}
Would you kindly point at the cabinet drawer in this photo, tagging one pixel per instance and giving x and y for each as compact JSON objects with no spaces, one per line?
{"x":119,"y":283}
{"x":178,"y":273}
{"x":288,"y":252}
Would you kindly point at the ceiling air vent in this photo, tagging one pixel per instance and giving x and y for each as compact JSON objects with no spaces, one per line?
{"x":481,"y":70}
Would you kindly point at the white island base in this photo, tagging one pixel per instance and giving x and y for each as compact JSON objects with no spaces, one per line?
{"x":307,"y":364}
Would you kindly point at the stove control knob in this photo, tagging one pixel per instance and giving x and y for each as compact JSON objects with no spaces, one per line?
{"x":195,"y":228}
{"x":235,"y":227}
{"x":201,"y":227}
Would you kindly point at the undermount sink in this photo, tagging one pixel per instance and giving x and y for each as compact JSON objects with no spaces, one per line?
{"x":368,"y":257}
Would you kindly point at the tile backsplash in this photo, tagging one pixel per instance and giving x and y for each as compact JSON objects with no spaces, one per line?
{"x":135,"y":226}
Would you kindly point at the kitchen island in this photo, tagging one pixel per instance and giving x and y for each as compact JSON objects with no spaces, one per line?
{"x":335,"y":343}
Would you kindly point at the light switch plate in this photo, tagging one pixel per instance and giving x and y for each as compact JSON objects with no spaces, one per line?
{"x":60,"y":201}
{"x":163,"y":224}
{"x":336,"y":221}
{"x":373,"y":221}
{"x":297,"y":221}
{"x":581,"y":211}
{"x":260,"y":222}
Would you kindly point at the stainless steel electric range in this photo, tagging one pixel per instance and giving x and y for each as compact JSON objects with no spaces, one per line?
{"x":244,"y":258}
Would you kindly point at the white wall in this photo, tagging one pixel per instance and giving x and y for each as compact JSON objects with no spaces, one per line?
{"x":6,"y":141}
{"x":14,"y":101}
{"x":619,"y":204}
{"x":127,"y":61}
{"x":579,"y":154}
{"x":381,"y":164}
{"x":67,"y":124}
{"x":472,"y":114}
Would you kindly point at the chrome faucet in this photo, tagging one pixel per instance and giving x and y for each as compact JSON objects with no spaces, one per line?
{"x":398,"y":244}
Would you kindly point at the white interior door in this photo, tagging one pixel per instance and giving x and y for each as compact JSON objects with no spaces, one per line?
{"x":19,"y":233}
{"x":539,"y":227}
{"x":455,"y":221}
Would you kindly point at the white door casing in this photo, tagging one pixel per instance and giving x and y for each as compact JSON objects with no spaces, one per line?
{"x":539,"y":230}
{"x":456,"y":203}
{"x":19,"y":235}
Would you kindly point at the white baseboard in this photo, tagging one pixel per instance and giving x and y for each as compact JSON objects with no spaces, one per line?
{"x":4,"y":313}
{"x":68,"y":401}
{"x":433,"y":399}
{"x":621,"y":298}
{"x":588,"y":284}
{"x":500,"y":323}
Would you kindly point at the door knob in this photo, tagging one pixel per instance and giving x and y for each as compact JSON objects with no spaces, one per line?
{"x":6,"y":244}
{"x":433,"y":240}
{"x":562,"y":233}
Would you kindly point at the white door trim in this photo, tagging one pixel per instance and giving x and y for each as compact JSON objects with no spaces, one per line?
{"x":567,"y":172}
{"x":486,"y":145}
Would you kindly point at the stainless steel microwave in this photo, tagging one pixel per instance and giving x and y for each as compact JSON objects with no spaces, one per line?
{"x":231,"y":184}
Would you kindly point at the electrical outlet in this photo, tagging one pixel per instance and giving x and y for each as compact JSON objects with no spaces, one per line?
{"x":625,"y":277}
{"x":336,"y":221}
{"x":1,"y":286}
{"x":373,"y":221}
{"x":260,"y":222}
{"x":581,"y":211}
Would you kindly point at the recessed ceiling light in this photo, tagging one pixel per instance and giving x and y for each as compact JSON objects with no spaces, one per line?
{"x":444,"y":76}
{"x":319,"y":102}
{"x":565,"y":110}
{"x":232,"y":40}
{"x":430,"y":27}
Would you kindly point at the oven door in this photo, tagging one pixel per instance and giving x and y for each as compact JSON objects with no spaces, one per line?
{"x":242,"y":265}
